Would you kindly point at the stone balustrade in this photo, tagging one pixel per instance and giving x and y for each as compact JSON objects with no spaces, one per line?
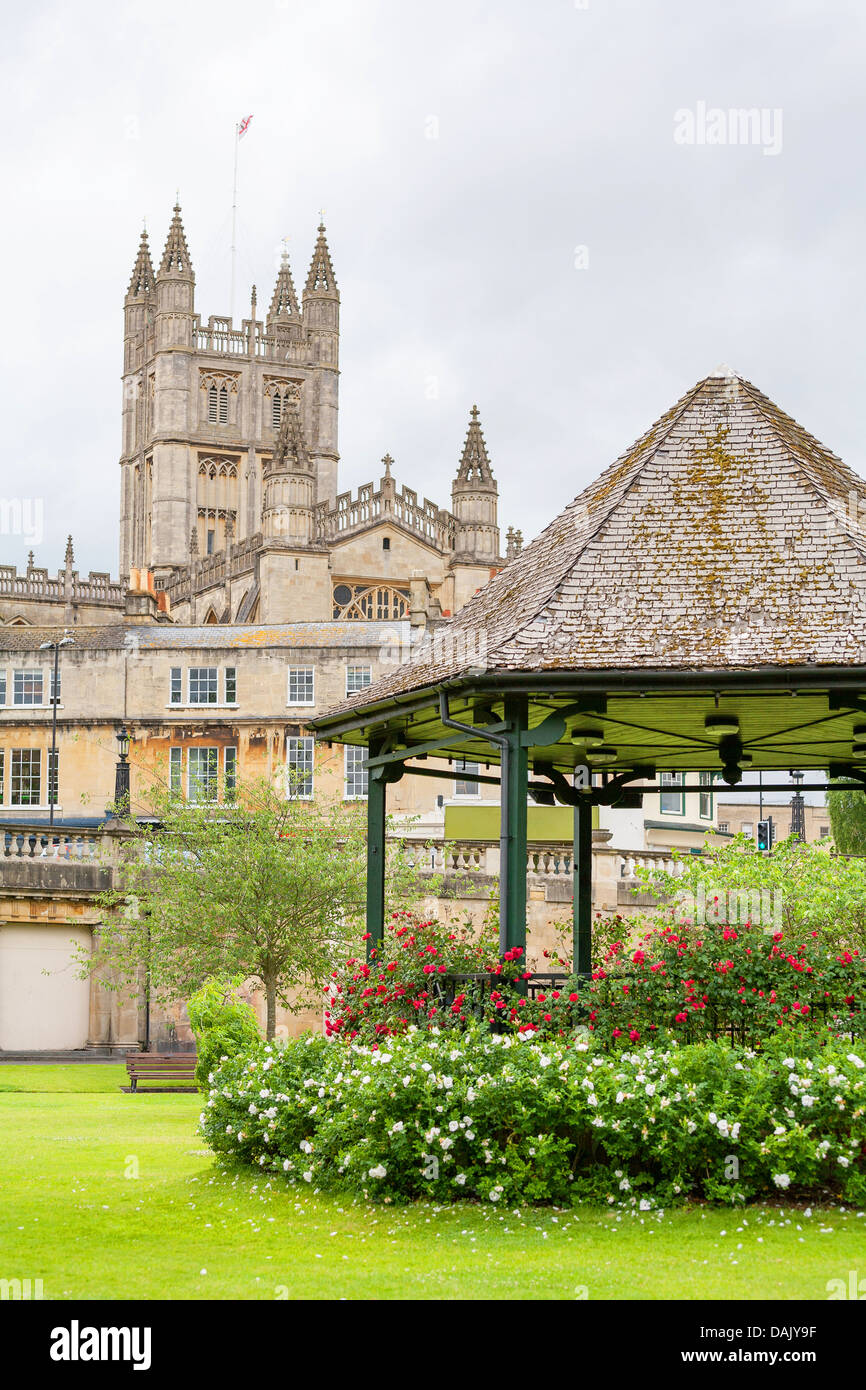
{"x":36,"y":583}
{"x":546,"y":861}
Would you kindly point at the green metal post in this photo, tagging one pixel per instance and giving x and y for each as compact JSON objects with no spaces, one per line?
{"x":512,"y":841}
{"x":582,"y":870}
{"x":376,"y":795}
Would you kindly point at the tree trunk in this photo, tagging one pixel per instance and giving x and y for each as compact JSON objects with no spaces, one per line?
{"x":271,"y":998}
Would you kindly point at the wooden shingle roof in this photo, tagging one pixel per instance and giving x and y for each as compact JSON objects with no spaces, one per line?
{"x":726,"y":537}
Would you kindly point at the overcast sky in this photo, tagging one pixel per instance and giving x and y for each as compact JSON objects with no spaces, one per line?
{"x":511,"y":218}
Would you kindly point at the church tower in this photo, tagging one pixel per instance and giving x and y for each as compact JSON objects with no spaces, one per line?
{"x":138,"y":315}
{"x":322,"y":321}
{"x":203,"y":405}
{"x":293,"y":569}
{"x":172,"y":389}
{"x":474,"y":503}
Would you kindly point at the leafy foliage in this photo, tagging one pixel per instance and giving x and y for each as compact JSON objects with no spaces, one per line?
{"x":505,"y":1118}
{"x":809,"y":887}
{"x":694,"y":983}
{"x":701,"y":981}
{"x":848,"y":821}
{"x":259,"y":886}
{"x":222,"y":1023}
{"x":397,"y":987}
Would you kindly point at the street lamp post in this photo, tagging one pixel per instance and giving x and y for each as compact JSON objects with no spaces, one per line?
{"x":121,"y":772}
{"x":798,"y":808}
{"x":65,"y":641}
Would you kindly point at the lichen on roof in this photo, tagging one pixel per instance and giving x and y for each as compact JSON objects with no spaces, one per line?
{"x":726,"y":536}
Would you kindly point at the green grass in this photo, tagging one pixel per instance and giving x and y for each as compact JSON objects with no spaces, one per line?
{"x":75,"y":1215}
{"x":78,"y":1077}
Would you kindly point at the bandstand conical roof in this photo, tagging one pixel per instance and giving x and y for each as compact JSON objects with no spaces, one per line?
{"x":726,"y":539}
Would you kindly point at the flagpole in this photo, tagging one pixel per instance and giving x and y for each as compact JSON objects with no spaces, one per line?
{"x":234,"y":223}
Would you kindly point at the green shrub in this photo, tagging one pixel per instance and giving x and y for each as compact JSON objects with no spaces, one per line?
{"x":511,"y":1118}
{"x":708,"y":980}
{"x":803,"y":888}
{"x":397,"y":989}
{"x":222,"y":1023}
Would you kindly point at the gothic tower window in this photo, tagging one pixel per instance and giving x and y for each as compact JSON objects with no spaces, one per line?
{"x":217,"y":392}
{"x":277,"y":393}
{"x":377,"y":602}
{"x":217,"y":500}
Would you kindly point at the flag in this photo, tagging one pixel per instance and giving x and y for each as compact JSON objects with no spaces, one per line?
{"x":243,"y":127}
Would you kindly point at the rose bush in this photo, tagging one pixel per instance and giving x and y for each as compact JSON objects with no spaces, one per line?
{"x":671,"y":980}
{"x":699,"y":981}
{"x":401,"y":985}
{"x":511,"y":1118}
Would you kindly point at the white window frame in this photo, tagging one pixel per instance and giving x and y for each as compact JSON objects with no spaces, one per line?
{"x":351,"y":752}
{"x":306,"y":672}
{"x":17,"y":752}
{"x":203,"y":704}
{"x":300,"y":756}
{"x":198,"y":749}
{"x":466,"y":765}
{"x":678,"y":785}
{"x":358,"y":666}
{"x":28,"y":673}
{"x":230,"y":772}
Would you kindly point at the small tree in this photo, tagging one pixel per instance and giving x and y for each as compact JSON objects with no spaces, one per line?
{"x":798,"y":888}
{"x":222,"y":1024}
{"x":259,"y":886}
{"x":848,"y":820}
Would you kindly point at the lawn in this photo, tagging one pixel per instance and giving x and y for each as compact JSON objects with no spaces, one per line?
{"x":107,"y":1195}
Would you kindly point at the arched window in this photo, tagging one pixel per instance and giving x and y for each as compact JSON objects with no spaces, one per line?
{"x":377,"y":602}
{"x":276,"y":410}
{"x":224,"y":404}
{"x":212,"y":405}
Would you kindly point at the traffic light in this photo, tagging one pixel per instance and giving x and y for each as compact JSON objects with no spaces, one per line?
{"x":765,"y":836}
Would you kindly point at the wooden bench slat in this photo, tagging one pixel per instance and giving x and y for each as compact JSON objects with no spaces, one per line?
{"x":160,"y":1066}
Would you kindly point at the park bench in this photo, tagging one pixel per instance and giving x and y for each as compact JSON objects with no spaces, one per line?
{"x":160,"y":1066}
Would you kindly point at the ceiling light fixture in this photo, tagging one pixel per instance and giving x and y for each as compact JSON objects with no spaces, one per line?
{"x":601,"y":754}
{"x":587,"y":738}
{"x":718,"y":725}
